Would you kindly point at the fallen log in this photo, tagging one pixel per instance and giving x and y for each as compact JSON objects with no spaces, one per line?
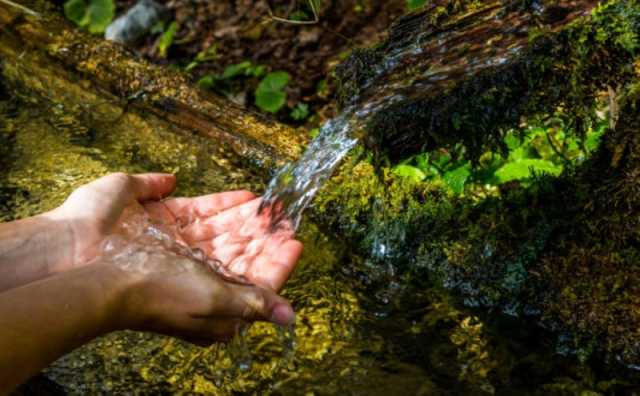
{"x":42,"y":53}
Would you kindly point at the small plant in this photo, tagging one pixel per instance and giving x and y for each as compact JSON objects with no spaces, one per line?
{"x":207,"y":55}
{"x":539,"y":150}
{"x":93,"y":15}
{"x":300,"y":16}
{"x":242,"y":69}
{"x":300,"y":112}
{"x":415,"y":4}
{"x":166,"y":39}
{"x":270,"y":94}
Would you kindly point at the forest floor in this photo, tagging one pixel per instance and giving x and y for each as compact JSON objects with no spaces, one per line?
{"x":212,"y":36}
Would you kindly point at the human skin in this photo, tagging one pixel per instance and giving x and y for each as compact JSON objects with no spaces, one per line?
{"x":57,"y":293}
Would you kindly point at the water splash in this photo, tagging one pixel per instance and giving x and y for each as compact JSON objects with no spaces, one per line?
{"x":138,"y":243}
{"x":295,"y":185}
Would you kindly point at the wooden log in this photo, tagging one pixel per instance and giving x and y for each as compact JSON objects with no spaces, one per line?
{"x":41,"y":52}
{"x":471,"y":76}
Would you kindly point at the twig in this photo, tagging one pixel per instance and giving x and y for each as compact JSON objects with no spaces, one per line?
{"x":20,"y":7}
{"x":312,"y":5}
{"x":555,"y":149}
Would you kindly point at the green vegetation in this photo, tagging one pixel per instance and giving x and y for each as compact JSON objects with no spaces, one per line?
{"x":166,"y":39}
{"x":538,"y":221}
{"x":531,"y":154}
{"x":270,"y":94}
{"x":93,"y":15}
{"x":300,"y":112}
{"x":415,"y":4}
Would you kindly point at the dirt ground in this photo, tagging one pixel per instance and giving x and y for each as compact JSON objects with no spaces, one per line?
{"x":230,"y":32}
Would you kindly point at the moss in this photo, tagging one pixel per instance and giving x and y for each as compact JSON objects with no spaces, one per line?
{"x":564,"y":251}
{"x":461,"y":100}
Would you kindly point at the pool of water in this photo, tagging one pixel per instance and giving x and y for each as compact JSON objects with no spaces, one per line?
{"x":358,"y":331}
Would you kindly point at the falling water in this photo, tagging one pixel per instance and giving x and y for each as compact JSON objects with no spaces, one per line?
{"x":416,"y":64}
{"x":295,"y":185}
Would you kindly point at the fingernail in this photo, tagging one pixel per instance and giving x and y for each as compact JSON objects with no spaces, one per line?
{"x":282,"y":315}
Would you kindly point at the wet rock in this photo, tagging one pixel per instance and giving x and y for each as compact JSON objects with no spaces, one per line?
{"x":136,"y":22}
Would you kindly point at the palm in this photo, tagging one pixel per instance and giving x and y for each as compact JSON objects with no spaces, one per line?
{"x":227,"y":228}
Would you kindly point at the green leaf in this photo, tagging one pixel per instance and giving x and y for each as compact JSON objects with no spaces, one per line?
{"x":457,"y":178}
{"x":415,"y":4}
{"x":593,"y":139}
{"x":442,"y":160}
{"x":167,"y":39}
{"x":270,"y":95}
{"x":101,"y":13}
{"x":410,"y":172}
{"x":523,"y":169}
{"x":235,"y":70}
{"x":422,"y":161}
{"x":300,"y":112}
{"x":256,"y":71}
{"x":76,"y":11}
{"x":512,"y":141}
{"x":207,"y":81}
{"x":95,"y":15}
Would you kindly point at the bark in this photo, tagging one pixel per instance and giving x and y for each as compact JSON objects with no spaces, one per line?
{"x":42,"y":53}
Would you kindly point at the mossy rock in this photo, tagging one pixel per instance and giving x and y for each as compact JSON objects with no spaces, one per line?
{"x":468,"y":77}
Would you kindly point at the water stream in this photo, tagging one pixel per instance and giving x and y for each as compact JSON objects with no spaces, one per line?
{"x":424,"y":344}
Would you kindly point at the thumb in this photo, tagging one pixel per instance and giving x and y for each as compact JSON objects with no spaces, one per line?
{"x":152,"y":186}
{"x":252,"y":303}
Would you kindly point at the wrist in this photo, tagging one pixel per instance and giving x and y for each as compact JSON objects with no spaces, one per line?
{"x":32,"y":249}
{"x":119,"y":305}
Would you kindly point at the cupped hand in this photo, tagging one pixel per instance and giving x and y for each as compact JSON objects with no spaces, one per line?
{"x":174,"y":295}
{"x":226,"y":226}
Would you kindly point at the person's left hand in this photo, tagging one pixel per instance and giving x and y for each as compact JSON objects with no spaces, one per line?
{"x":225,"y":225}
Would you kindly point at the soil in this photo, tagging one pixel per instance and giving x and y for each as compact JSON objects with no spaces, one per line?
{"x":235,"y":31}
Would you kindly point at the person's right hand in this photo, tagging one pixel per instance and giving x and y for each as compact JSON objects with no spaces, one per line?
{"x":173,"y":295}
{"x":185,"y":298}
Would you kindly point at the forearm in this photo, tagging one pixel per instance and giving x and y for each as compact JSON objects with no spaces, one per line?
{"x":32,"y":249}
{"x":44,"y":320}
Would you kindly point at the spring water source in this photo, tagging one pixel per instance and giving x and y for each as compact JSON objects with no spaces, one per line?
{"x":424,"y":345}
{"x":415,"y":64}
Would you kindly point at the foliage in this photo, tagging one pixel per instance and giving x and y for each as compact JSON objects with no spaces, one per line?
{"x":415,"y":4}
{"x":166,"y":39}
{"x":246,"y":69}
{"x":541,"y":150}
{"x":94,"y":15}
{"x":309,"y":14}
{"x":270,"y":94}
{"x":207,"y":55}
{"x":565,"y":70}
{"x":242,"y":69}
{"x":300,"y":112}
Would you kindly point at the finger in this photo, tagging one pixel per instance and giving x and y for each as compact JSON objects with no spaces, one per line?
{"x":272,"y":271}
{"x":152,"y":186}
{"x":251,"y":303}
{"x":118,"y":190}
{"x":208,"y":205}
